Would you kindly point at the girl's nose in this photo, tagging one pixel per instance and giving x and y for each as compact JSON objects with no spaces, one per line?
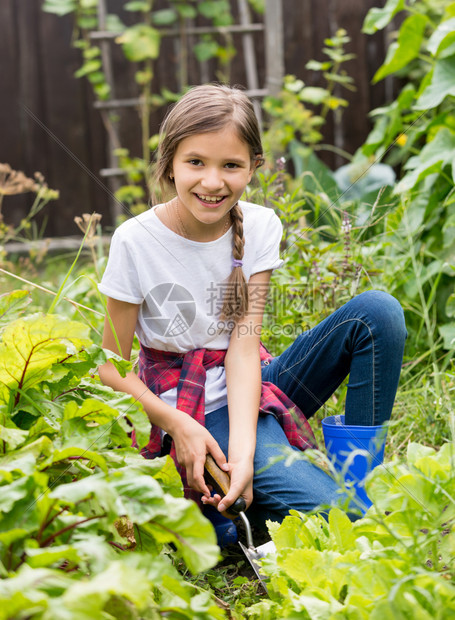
{"x":212,"y":179}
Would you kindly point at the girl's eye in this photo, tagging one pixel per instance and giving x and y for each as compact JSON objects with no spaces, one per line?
{"x":195,"y":162}
{"x":231,"y":165}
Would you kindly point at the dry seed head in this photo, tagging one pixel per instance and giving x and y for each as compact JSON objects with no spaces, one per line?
{"x":88,"y":224}
{"x":14,"y":182}
{"x":88,"y":221}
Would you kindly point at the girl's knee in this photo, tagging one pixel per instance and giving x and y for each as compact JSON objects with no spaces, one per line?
{"x":385,"y":312}
{"x":300,"y":486}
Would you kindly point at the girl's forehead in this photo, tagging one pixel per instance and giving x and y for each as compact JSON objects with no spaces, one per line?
{"x":225,"y":142}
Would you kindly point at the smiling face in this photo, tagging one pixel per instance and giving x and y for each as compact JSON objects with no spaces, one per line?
{"x":211,"y":171}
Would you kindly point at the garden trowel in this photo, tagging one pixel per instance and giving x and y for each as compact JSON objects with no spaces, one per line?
{"x":220,"y":481}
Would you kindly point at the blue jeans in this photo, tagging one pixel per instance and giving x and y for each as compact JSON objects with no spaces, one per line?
{"x":363,"y":339}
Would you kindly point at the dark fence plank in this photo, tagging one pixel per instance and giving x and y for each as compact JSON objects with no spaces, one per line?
{"x":20,"y":87}
{"x":9,"y":83}
{"x":66,"y":116}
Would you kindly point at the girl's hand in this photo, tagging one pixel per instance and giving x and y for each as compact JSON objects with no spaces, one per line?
{"x":241,"y":474}
{"x":192,"y":444}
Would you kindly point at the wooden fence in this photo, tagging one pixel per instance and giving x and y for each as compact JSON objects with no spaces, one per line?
{"x":48,"y":122}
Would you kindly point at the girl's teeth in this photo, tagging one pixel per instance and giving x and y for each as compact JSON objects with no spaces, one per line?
{"x":211,"y":198}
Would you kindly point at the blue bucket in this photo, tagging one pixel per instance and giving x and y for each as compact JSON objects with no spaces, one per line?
{"x":341,"y":441}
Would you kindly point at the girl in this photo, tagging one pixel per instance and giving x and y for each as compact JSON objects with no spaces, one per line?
{"x":190,"y":277}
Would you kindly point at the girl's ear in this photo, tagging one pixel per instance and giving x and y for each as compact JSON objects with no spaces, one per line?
{"x":258,"y":161}
{"x":255,"y":164}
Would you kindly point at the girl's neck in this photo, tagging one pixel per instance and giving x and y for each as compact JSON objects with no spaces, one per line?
{"x":170,"y":215}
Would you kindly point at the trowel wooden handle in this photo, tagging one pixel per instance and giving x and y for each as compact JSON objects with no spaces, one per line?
{"x":221,"y":482}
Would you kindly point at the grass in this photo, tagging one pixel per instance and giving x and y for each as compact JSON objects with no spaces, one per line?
{"x":233,"y":580}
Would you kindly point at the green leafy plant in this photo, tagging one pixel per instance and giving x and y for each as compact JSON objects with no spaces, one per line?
{"x":85,"y":20}
{"x":397,"y":561}
{"x":421,"y":116}
{"x":295,"y":127}
{"x":324,"y":266}
{"x":219,"y":12}
{"x":297,"y":116}
{"x":85,"y":521}
{"x":415,"y":134}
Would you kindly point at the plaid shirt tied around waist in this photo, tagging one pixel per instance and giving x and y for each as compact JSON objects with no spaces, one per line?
{"x":164,"y":370}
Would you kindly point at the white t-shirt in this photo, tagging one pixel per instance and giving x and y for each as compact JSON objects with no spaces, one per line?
{"x":180,"y":284}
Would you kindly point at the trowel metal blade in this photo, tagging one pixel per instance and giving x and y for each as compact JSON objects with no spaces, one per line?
{"x":254,"y":554}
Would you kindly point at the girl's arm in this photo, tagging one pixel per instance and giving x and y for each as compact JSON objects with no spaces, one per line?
{"x":243,"y":378}
{"x":192,"y":441}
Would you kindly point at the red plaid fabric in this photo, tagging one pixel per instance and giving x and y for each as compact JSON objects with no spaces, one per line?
{"x":163,"y":370}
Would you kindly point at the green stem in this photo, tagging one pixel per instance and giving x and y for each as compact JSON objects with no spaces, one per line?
{"x":46,"y":290}
{"x":55,"y":516}
{"x":428,"y":59}
{"x":330,"y":89}
{"x":10,"y":556}
{"x":95,"y":262}
{"x":36,"y":207}
{"x":418,"y":11}
{"x":68,"y":528}
{"x":60,"y":290}
{"x":45,"y":522}
{"x":425,"y":314}
{"x":24,"y":395}
{"x":334,"y":149}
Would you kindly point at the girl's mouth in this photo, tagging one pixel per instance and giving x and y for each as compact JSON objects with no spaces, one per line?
{"x":210,"y":200}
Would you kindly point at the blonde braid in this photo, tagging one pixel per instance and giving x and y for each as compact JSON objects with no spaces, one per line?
{"x":235,"y":303}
